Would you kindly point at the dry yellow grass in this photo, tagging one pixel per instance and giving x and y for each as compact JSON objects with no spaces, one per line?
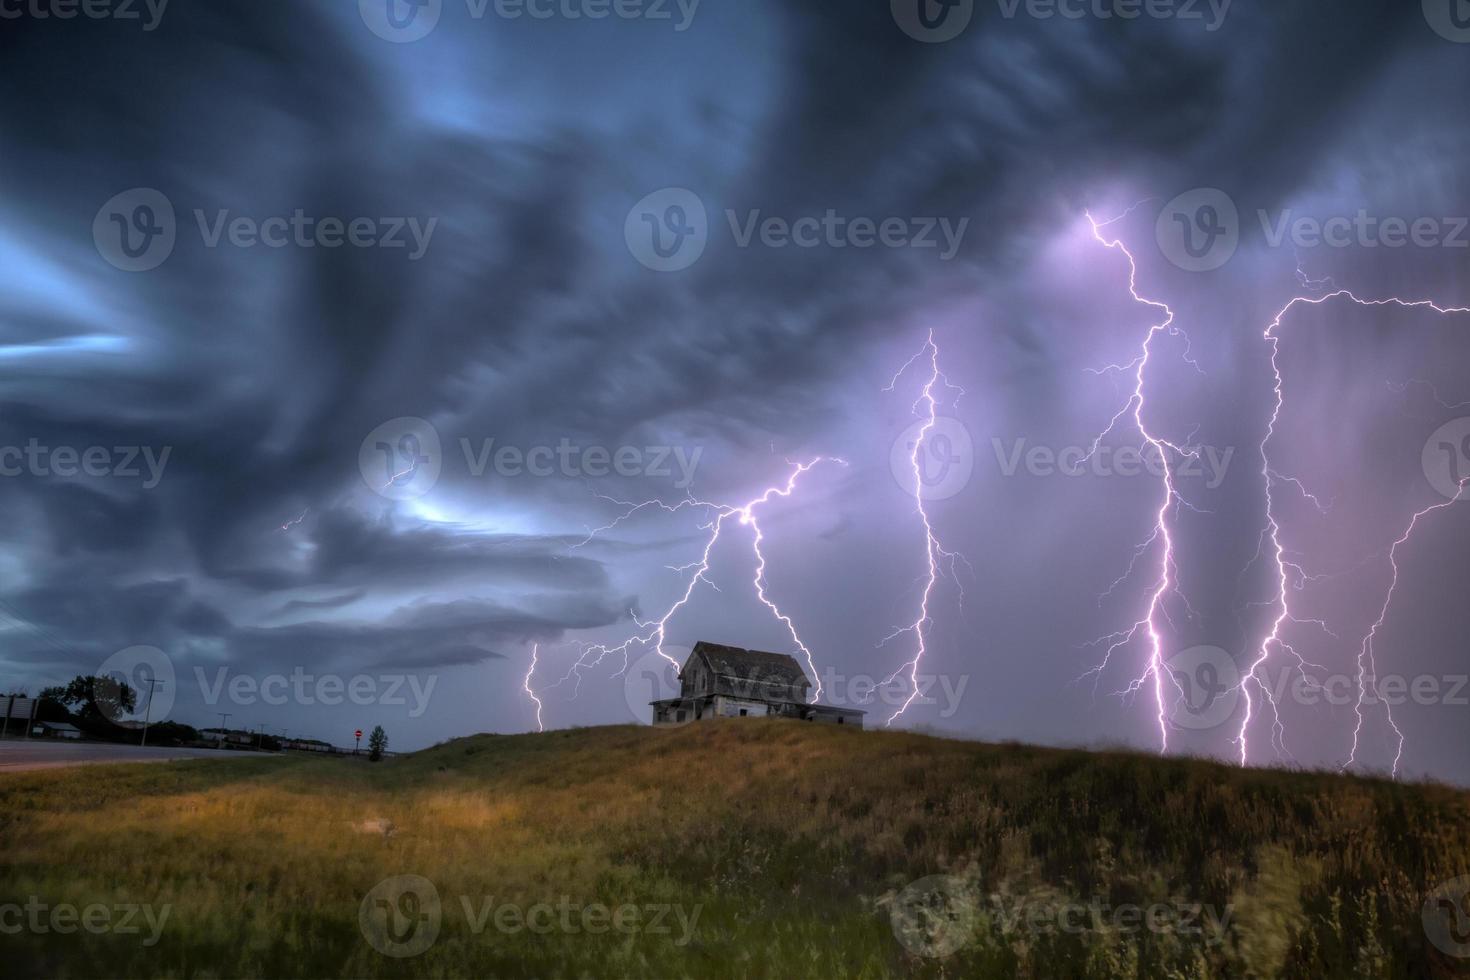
{"x":789,"y":842}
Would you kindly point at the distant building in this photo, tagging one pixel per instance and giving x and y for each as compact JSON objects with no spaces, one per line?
{"x":306,"y":745}
{"x":56,"y":729}
{"x":228,"y":736}
{"x":730,"y":682}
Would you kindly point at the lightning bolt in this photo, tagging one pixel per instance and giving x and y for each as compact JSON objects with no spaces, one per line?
{"x":1165,"y":584}
{"x":1366,"y":660}
{"x":1286,"y":570}
{"x":934,"y":553}
{"x":1433,"y":393}
{"x":530,"y":691}
{"x":652,"y":634}
{"x":290,"y":524}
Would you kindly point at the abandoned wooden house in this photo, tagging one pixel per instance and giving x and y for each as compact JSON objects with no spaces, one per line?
{"x":729,"y":682}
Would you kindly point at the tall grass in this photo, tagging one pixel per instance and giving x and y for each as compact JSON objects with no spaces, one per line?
{"x":791,"y":842}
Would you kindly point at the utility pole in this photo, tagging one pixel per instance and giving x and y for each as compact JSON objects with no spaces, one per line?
{"x":224,"y":729}
{"x":152,"y":683}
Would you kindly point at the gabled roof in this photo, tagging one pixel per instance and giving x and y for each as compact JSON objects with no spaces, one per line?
{"x":750,"y":669}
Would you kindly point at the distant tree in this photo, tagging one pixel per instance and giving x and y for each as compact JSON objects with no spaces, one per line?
{"x":377,"y":742}
{"x":95,"y":698}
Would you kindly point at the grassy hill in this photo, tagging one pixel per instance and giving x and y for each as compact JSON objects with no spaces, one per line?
{"x":743,"y":848}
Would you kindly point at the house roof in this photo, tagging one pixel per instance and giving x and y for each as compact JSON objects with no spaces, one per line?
{"x":751,"y":667}
{"x":60,"y":726}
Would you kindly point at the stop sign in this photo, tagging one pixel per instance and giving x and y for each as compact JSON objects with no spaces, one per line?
{"x":357,"y":734}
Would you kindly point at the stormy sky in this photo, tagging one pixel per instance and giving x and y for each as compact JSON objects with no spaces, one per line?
{"x":332,"y":330}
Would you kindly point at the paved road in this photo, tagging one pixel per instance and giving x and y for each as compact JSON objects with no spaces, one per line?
{"x":18,"y":755}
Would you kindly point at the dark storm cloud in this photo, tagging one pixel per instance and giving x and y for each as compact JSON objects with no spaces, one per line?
{"x":527,"y":320}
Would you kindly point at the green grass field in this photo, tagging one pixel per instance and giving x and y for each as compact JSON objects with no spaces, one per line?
{"x":739,"y":848}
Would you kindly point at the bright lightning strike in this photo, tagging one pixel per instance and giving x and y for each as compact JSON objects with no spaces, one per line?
{"x":526,"y":684}
{"x":934,"y":552}
{"x":1165,"y":584}
{"x":1367,"y":663}
{"x":652,"y":634}
{"x":1286,"y":569}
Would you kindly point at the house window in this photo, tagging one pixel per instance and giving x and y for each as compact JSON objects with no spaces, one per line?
{"x":743,"y":712}
{"x":679,"y":715}
{"x":839,"y":719}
